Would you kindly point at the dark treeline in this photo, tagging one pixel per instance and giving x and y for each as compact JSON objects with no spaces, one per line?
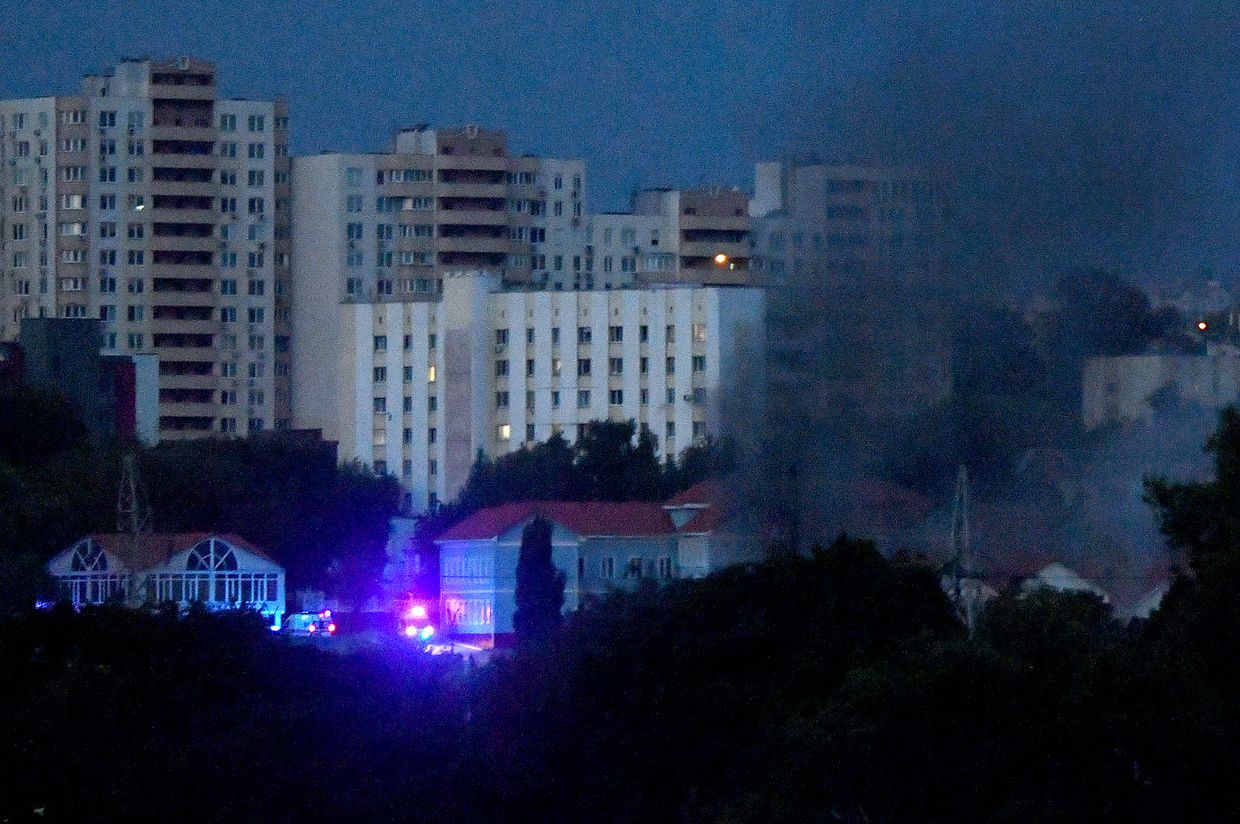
{"x":326,"y":524}
{"x":610,"y":461}
{"x":833,"y":687}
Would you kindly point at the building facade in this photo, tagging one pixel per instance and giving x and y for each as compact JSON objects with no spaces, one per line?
{"x":1128,"y":389}
{"x":113,"y":394}
{"x":388,"y":226}
{"x":218,"y":571}
{"x":152,"y":204}
{"x":600,"y":548}
{"x":418,"y":388}
{"x":698,"y":236}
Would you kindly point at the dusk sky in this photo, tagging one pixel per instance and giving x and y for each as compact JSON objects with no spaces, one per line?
{"x":1071,"y":134}
{"x":647,"y":93}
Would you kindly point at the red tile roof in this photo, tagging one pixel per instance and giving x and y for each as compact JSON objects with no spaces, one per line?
{"x":584,"y":518}
{"x":707,"y":492}
{"x":158,"y":547}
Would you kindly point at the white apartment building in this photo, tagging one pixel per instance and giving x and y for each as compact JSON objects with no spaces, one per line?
{"x":417,"y":388}
{"x":671,"y":236}
{"x":151,"y":203}
{"x":442,"y":200}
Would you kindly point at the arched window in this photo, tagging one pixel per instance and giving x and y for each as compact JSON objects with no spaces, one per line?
{"x":211,"y":555}
{"x":88,"y":557}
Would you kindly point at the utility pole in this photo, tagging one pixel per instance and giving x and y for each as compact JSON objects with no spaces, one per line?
{"x":133,"y":512}
{"x":966,"y":583}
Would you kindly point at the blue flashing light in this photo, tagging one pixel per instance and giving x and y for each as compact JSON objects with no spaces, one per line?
{"x":427,"y":632}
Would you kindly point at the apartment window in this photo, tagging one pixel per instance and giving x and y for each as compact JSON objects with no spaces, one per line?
{"x":503,"y":432}
{"x":380,"y":343}
{"x":407,"y":374}
{"x":431,"y":435}
{"x":353,"y":203}
{"x":529,"y":335}
{"x":615,"y":334}
{"x":555,"y":336}
{"x":228,"y":150}
{"x":584,"y":334}
{"x":228,"y":205}
{"x":671,"y":429}
{"x":607,"y":567}
{"x":615,"y":366}
{"x":501,"y":400}
{"x":256,"y":205}
{"x":228,"y":123}
{"x":583,"y":398}
{"x":135,"y":286}
{"x":432,"y":404}
{"x":107,"y":285}
{"x":380,"y":374}
{"x":256,"y":122}
{"x":380,"y":405}
{"x":665,"y":567}
{"x":501,"y":368}
{"x":107,"y":228}
{"x":254,"y":177}
{"x":559,"y":212}
{"x":699,"y":395}
{"x":699,"y":332}
{"x":255,"y":151}
{"x":615,"y":397}
{"x":107,"y":174}
{"x":137,"y":257}
{"x":644,"y":397}
{"x":555,"y":399}
{"x":107,"y":257}
{"x":583,"y":367}
{"x":501,"y":337}
{"x":671,"y":396}
{"x":136,"y":340}
{"x":529,"y":433}
{"x":430,"y":374}
{"x":670,"y":366}
{"x":228,"y":286}
{"x":699,"y":430}
{"x":228,"y":314}
{"x":107,"y":119}
{"x":699,"y":363}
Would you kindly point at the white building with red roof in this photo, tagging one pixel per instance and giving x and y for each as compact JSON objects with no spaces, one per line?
{"x":219,"y":571}
{"x":600,"y":547}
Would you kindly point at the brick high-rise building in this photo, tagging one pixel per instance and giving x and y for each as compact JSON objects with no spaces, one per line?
{"x":151,"y":203}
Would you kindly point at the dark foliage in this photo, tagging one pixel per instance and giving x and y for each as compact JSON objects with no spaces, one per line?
{"x":540,"y":586}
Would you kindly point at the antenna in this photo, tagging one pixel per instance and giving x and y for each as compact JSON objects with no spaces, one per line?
{"x":966,"y":583}
{"x":133,"y":508}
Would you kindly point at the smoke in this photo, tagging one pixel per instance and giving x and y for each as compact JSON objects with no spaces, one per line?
{"x":1064,"y":136}
{"x":1067,"y":133}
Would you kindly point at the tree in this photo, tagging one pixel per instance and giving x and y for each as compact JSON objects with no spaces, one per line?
{"x":540,"y":586}
{"x":37,"y":425}
{"x":614,"y":468}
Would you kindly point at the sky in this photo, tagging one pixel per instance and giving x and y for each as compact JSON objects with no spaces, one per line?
{"x":647,"y":93}
{"x":1072,"y":132}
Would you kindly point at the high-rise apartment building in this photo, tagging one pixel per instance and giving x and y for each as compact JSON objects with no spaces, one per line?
{"x":417,"y":388}
{"x":853,"y":256}
{"x":697,"y":236}
{"x":389,"y":225}
{"x":151,"y":203}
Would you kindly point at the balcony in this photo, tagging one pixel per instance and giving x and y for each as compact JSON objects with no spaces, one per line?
{"x":478,"y":190}
{"x":708,"y":249}
{"x":473,"y":217}
{"x":478,"y":245}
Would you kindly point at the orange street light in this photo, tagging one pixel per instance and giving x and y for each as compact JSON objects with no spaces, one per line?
{"x":721,"y":259}
{"x":1202,"y":326}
